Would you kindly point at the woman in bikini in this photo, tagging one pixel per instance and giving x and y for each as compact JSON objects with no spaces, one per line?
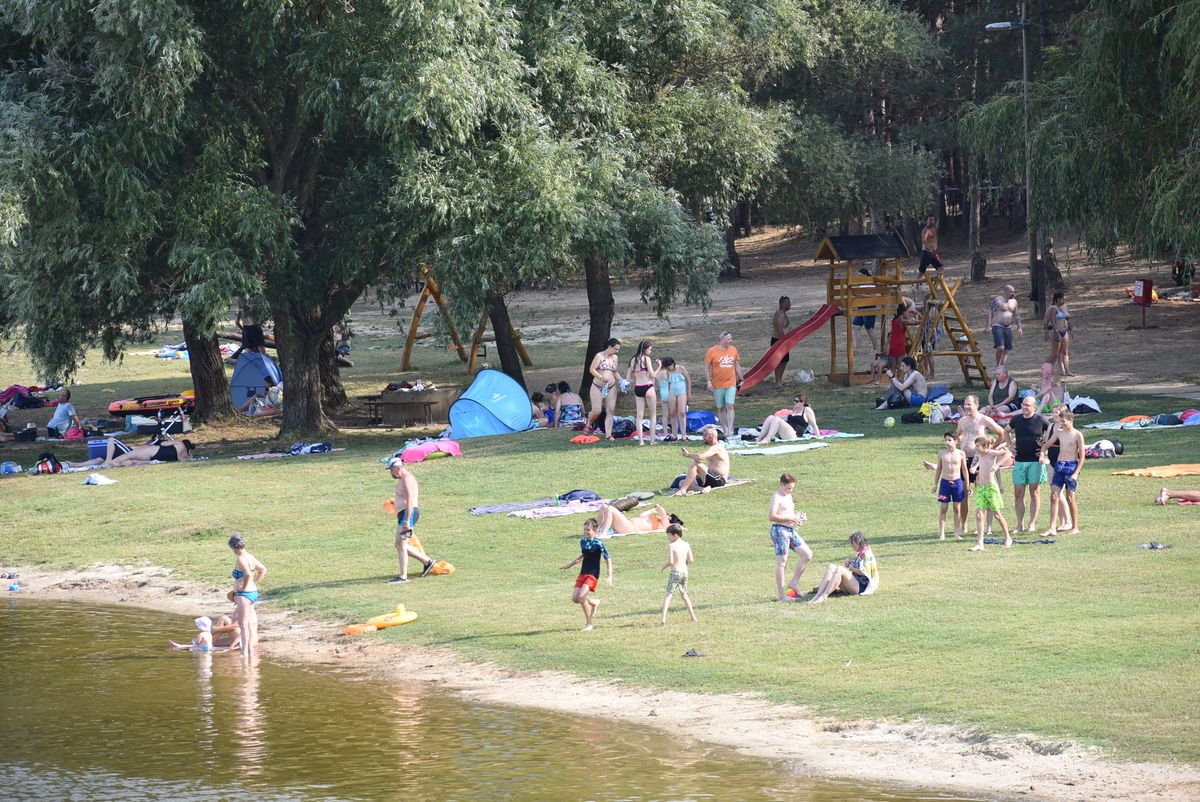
{"x":568,"y":406}
{"x":1058,"y":331}
{"x":642,"y":372}
{"x":615,"y":522}
{"x":247,"y":573}
{"x":117,"y":454}
{"x":605,"y":379}
{"x":674,"y":388}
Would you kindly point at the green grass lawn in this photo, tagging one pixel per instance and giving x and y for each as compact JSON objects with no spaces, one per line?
{"x":1091,"y":638}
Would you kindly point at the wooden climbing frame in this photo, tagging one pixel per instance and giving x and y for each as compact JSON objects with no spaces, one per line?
{"x":431,"y":290}
{"x":942,"y":312}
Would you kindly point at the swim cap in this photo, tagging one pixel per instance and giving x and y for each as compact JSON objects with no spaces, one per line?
{"x":393,"y":462}
{"x":204,"y":623}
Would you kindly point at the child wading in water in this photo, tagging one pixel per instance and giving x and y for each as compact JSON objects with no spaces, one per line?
{"x":988,"y":500}
{"x":679,"y":557}
{"x":591,"y":549}
{"x":1071,"y":456}
{"x":951,"y":484}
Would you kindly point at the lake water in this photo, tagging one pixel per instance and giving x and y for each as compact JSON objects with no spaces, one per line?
{"x":94,"y":707}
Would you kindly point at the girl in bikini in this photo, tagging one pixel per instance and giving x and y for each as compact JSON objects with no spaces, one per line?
{"x":674,"y":387}
{"x":642,"y":372}
{"x":247,"y":573}
{"x":1058,"y":331}
{"x":604,"y":387}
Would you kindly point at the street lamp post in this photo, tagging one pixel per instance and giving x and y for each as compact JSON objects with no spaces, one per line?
{"x":1030,"y":234}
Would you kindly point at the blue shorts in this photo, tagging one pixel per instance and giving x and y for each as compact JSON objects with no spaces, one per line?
{"x":402,"y":518}
{"x":950,"y":491}
{"x":866,"y":321}
{"x":916,"y":400}
{"x":784,"y":538}
{"x":1062,"y":475}
{"x":1002,"y":337}
{"x":725,"y":396}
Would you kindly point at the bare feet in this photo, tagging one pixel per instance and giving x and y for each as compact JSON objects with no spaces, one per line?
{"x":1008,"y":541}
{"x":1073,"y":532}
{"x":976,"y":547}
{"x":1049,"y":533}
{"x":958,"y":535}
{"x":815,"y":600}
{"x":589,"y":627}
{"x":1162,"y":498}
{"x":942,"y":536}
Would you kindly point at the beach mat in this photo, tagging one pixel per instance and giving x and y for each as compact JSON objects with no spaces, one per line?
{"x":1163,"y":471}
{"x":670,"y":491}
{"x":784,"y":448}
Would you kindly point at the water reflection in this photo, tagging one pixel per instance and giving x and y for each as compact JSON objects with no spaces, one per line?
{"x":96,"y":708}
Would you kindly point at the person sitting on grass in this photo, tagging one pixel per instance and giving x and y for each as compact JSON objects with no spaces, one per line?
{"x":614,"y":522}
{"x":857,"y":576}
{"x":568,"y":406}
{"x":537,"y":407}
{"x":1002,"y":395}
{"x":800,"y":421}
{"x":1189,"y":496}
{"x":775,"y":428}
{"x":118,"y":455}
{"x":1052,"y":391}
{"x":909,"y":389}
{"x":270,"y":402}
{"x":65,"y":417}
{"x":710,"y":467}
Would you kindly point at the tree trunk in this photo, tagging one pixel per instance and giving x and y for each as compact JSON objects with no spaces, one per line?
{"x":298,"y":341}
{"x":600,"y":313}
{"x":333,"y":392}
{"x":506,"y":346}
{"x":978,"y":262}
{"x":208,"y":374}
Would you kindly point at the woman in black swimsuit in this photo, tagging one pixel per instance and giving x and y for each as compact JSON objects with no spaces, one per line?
{"x":178,"y":451}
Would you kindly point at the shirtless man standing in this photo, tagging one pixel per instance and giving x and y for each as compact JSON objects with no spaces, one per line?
{"x":710,"y":467}
{"x":784,"y":521}
{"x":779,"y":326}
{"x":408,"y":512}
{"x":929,"y":246}
{"x":971,"y":425}
{"x":1002,"y":313}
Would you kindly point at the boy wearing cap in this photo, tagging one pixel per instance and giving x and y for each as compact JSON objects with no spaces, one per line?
{"x":408,"y":512}
{"x":679,"y":557}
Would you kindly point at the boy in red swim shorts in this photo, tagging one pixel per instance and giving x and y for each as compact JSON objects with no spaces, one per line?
{"x":591,"y":549}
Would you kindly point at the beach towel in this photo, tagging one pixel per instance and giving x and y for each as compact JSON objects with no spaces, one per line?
{"x":1140,"y":423}
{"x":276,"y":454}
{"x":558,"y":510}
{"x":996,"y":541}
{"x":514,"y":506}
{"x":1163,"y":471}
{"x":667,"y":491}
{"x":783,"y":448}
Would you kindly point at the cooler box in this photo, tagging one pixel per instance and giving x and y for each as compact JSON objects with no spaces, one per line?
{"x":97,"y":448}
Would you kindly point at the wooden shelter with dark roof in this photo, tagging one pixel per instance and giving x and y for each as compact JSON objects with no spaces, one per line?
{"x":877,"y":294}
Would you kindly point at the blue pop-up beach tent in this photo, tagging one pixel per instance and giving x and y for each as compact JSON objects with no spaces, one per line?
{"x":493,"y":404}
{"x":249,"y":376}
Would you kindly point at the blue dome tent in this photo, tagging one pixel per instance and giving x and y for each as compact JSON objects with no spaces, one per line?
{"x":493,"y":404}
{"x":249,"y":374}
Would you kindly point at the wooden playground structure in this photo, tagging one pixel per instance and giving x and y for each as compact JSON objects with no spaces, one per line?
{"x":880,"y":294}
{"x":478,"y":349}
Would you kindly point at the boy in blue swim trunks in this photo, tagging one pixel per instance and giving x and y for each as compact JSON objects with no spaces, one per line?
{"x":784,"y":521}
{"x":1071,"y":456}
{"x":951,"y":484}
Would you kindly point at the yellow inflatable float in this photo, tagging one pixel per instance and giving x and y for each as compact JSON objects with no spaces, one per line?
{"x":393,"y":619}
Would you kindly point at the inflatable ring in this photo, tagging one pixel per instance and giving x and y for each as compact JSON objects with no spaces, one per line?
{"x":395,"y":619}
{"x":359,"y":629}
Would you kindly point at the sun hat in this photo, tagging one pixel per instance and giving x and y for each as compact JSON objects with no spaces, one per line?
{"x":204,"y":623}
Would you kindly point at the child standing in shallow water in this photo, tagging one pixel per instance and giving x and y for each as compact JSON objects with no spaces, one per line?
{"x":951,"y":484}
{"x":679,"y":557}
{"x":987,"y":492}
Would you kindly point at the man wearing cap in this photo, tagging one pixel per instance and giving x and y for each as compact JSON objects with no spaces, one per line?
{"x":408,"y":512}
{"x":723,"y":370}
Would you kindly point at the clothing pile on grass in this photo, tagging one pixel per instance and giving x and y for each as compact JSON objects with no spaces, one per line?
{"x":1163,"y":420}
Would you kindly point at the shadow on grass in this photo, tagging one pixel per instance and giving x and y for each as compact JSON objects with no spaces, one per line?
{"x":291,"y":590}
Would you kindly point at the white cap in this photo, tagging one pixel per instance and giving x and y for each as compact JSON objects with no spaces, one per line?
{"x":394,"y":461}
{"x":203,"y":623}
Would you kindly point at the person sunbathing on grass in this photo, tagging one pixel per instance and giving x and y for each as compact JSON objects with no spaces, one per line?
{"x":1164,"y":496}
{"x":614,"y":522}
{"x":117,"y":454}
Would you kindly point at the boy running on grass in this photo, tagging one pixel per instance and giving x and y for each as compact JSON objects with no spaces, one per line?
{"x":784,"y":520}
{"x":988,"y":501}
{"x":591,"y":549}
{"x":679,"y":557}
{"x":950,"y":484}
{"x":1071,"y":456}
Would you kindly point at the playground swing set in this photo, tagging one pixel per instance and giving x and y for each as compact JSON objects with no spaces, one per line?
{"x":478,"y":347}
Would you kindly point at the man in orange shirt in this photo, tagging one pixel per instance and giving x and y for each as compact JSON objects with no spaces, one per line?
{"x":723,"y":370}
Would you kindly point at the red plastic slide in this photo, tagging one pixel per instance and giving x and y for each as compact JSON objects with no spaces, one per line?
{"x":770,"y":360}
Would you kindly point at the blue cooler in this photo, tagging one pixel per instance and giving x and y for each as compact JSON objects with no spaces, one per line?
{"x":97,"y":448}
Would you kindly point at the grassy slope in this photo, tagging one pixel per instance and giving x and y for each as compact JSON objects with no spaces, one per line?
{"x":1091,"y":638}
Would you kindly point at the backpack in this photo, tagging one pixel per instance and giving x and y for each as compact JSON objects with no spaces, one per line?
{"x":622,"y":427}
{"x":579,"y":495}
{"x":912,"y":417}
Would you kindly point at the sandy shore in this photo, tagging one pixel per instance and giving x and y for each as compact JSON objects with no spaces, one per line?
{"x":954,"y":759}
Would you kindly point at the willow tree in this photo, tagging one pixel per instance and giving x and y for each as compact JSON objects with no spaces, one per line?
{"x":256,"y":145}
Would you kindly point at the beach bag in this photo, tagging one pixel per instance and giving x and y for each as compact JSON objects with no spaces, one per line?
{"x":47,"y":463}
{"x":698,"y":419}
{"x":912,"y":417}
{"x":27,"y":435}
{"x":1082,"y":405}
{"x":895,"y":399}
{"x":622,"y":427}
{"x":579,"y":495}
{"x":937,"y":415}
{"x":804,"y":376}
